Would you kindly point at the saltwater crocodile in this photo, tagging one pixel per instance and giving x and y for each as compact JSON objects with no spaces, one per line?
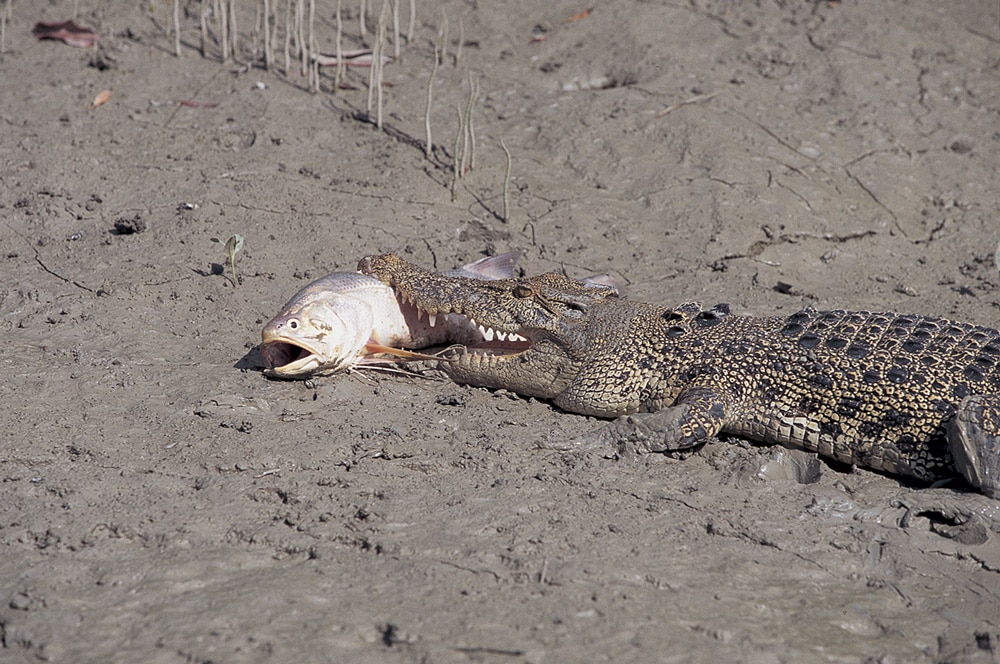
{"x":905,"y":394}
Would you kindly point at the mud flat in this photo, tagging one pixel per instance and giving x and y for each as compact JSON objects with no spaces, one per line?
{"x":162,"y":501}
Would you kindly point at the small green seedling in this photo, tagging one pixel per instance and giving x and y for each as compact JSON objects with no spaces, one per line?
{"x":233,"y":246}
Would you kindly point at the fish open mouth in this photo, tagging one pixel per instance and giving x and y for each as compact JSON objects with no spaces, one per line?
{"x":287,"y":358}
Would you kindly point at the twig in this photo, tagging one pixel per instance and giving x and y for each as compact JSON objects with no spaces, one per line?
{"x":312,"y":49}
{"x":203,"y":40}
{"x":443,"y":35}
{"x":413,"y":21}
{"x":380,"y":39}
{"x":506,"y":183}
{"x":457,"y":165}
{"x":4,"y":15}
{"x":395,"y":28}
{"x":223,"y":6}
{"x":268,"y":55}
{"x":38,"y":259}
{"x":300,"y":37}
{"x":233,"y":34}
{"x":363,"y":29}
{"x":427,"y":111}
{"x":288,"y":38}
{"x":271,"y":471}
{"x":177,"y":28}
{"x":470,"y":133}
{"x":339,"y":73}
{"x":375,"y":74}
{"x":693,"y":100}
{"x":461,"y":38}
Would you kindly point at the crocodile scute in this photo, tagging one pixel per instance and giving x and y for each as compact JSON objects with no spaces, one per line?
{"x":909,"y":395}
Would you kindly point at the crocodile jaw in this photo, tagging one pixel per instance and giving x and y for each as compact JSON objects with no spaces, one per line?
{"x":541,"y":371}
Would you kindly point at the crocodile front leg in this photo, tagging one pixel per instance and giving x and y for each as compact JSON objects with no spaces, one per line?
{"x":974,"y":437}
{"x":698,"y":414}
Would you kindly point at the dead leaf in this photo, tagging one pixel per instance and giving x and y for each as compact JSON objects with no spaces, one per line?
{"x":579,"y":17}
{"x":102,"y":98}
{"x":66,"y":31}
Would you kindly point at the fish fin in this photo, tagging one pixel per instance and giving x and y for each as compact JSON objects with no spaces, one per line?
{"x":602,"y":280}
{"x":371,"y":348}
{"x":500,"y":266}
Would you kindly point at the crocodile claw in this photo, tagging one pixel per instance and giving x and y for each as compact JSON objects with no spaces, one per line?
{"x":967,"y":518}
{"x":975,"y":442}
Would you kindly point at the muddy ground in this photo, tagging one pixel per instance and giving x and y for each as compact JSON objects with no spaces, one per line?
{"x":162,"y":501}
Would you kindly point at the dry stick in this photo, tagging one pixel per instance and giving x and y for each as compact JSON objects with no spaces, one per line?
{"x":374,"y":73}
{"x":427,"y":110}
{"x":461,"y":38}
{"x":272,"y":31}
{"x":470,"y":131}
{"x":457,"y":166}
{"x":506,"y":182}
{"x":288,"y":38}
{"x":372,"y":78}
{"x":314,"y":64}
{"x":380,"y":35}
{"x":466,"y":119}
{"x":443,"y":35}
{"x":338,"y":74}
{"x":4,"y":13}
{"x":293,"y":32}
{"x":300,"y":35}
{"x":692,"y":100}
{"x":177,"y":28}
{"x":204,"y":27}
{"x":361,"y":22}
{"x":311,"y":55}
{"x":255,"y":33}
{"x":413,"y":22}
{"x":395,"y":28}
{"x":268,"y":56}
{"x":232,"y":29}
{"x":223,"y":6}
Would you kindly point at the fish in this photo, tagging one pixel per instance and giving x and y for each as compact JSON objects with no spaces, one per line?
{"x":348,"y":319}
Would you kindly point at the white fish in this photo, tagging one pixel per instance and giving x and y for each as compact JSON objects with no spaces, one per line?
{"x":339,"y":321}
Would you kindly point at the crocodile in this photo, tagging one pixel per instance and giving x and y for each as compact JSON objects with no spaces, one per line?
{"x":908,"y":395}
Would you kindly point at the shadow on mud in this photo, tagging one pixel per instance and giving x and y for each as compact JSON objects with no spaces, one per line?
{"x":252,"y":361}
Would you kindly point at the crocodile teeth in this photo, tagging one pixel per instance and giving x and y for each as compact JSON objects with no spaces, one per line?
{"x":487,"y":332}
{"x":501,"y":335}
{"x":432,"y":319}
{"x":515,"y":337}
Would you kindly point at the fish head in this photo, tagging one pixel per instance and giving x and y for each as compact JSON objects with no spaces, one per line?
{"x":318,"y":330}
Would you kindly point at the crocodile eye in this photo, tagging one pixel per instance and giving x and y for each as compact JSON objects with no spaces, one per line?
{"x":523,"y":291}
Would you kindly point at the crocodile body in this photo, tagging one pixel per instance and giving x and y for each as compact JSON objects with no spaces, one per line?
{"x":905,"y":394}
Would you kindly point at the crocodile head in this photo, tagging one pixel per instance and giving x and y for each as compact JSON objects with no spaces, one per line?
{"x":534,"y":331}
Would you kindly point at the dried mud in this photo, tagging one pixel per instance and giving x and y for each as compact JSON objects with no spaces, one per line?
{"x":162,"y":501}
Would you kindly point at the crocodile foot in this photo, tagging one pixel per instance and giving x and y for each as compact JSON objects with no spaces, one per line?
{"x":635,"y":435}
{"x":968,"y":518}
{"x":974,"y":435}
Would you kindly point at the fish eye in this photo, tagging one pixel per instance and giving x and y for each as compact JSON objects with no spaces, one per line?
{"x":523,"y":291}
{"x":293,"y":324}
